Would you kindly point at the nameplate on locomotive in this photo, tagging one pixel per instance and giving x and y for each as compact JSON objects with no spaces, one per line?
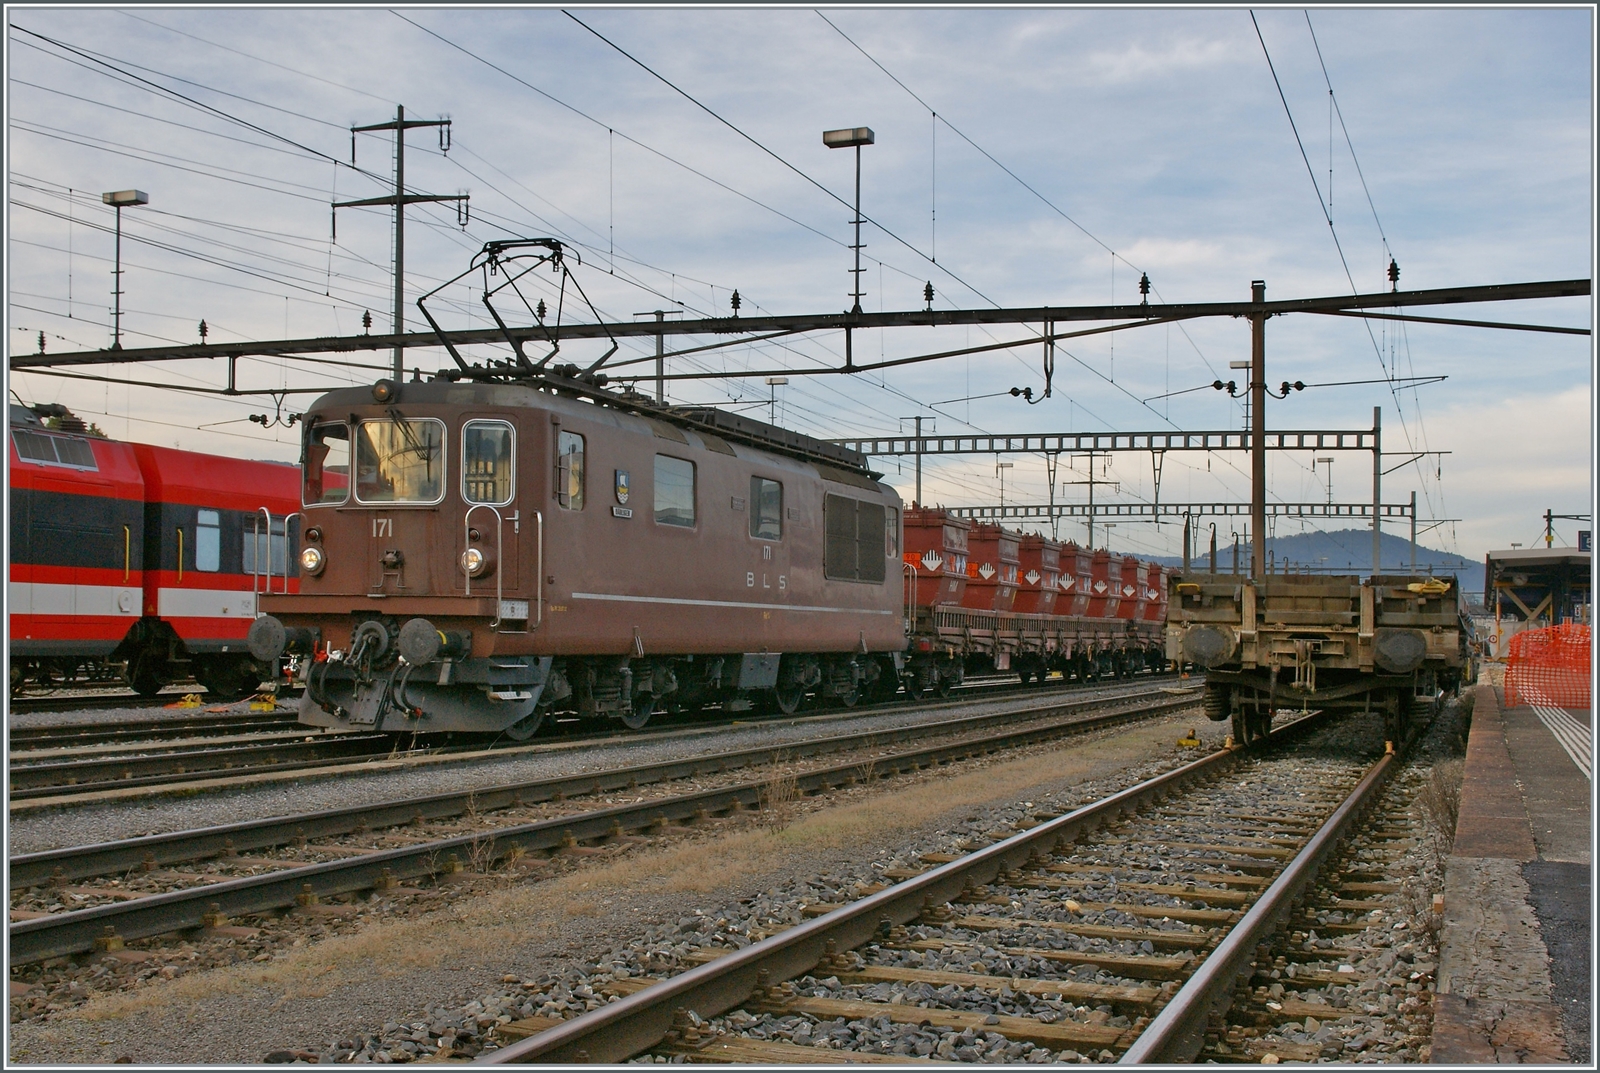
{"x":622,"y":512}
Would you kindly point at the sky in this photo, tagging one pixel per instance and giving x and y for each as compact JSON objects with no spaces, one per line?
{"x":1023,"y":157}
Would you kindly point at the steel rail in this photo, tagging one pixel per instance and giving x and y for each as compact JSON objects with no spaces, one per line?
{"x":24,"y":704}
{"x":106,"y":858}
{"x":1178,"y":1032}
{"x":624,"y":1028}
{"x":37,"y":780}
{"x":157,"y":779}
{"x":69,"y":734}
{"x":76,"y":931}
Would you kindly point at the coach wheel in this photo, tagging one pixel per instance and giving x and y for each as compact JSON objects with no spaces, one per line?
{"x":229,"y":679}
{"x":526,"y":727}
{"x":146,"y":675}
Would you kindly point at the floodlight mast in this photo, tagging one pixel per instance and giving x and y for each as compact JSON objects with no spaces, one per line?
{"x":852,"y":137}
{"x":119,"y":199}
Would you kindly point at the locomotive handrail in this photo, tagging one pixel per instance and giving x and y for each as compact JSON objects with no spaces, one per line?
{"x":287,"y":558}
{"x":911,"y":595}
{"x":499,"y":548}
{"x":255,"y":577}
{"x":127,"y":553}
{"x":538,"y":590}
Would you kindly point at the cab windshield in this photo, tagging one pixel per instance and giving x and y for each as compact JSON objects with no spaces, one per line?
{"x":400,"y":461}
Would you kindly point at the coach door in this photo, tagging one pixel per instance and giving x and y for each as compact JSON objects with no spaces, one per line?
{"x":488,"y":540}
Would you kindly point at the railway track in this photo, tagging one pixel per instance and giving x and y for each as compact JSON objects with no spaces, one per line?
{"x":264,"y":866}
{"x":133,"y":762}
{"x":26,"y":739}
{"x":116,"y":700}
{"x":1123,"y":929}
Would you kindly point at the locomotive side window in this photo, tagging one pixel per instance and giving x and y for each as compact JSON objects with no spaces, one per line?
{"x":891,"y":532}
{"x":674,"y":491}
{"x":766,"y":509}
{"x":855,"y":540}
{"x":208,"y":541}
{"x":327,"y":475}
{"x":569,"y":470}
{"x":486,"y":462}
{"x":400,"y":461}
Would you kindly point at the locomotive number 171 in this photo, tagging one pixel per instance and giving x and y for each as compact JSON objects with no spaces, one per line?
{"x":383,"y":527}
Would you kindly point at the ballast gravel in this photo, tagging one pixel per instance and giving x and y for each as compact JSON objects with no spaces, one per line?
{"x":639,"y":932}
{"x":41,"y":829}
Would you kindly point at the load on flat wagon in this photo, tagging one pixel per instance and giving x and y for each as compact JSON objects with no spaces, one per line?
{"x":1386,"y":643}
{"x":140,"y":561}
{"x":982,"y":599}
{"x":481,"y":555}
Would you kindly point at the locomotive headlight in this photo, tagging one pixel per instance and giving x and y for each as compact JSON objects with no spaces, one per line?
{"x":475,"y":562}
{"x":312,"y":560}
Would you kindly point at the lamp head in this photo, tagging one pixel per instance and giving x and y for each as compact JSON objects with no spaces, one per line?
{"x":125,"y":198}
{"x":850,"y":136}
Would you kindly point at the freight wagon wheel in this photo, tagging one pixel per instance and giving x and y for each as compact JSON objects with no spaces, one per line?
{"x":646,"y":706}
{"x":944,"y":687}
{"x":527,"y":726}
{"x":850,"y":698}
{"x":789,"y":699}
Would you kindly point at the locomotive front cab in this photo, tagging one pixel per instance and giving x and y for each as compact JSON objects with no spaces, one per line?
{"x":413,"y":579}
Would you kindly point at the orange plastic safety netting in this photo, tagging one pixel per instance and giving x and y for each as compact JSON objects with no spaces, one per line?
{"x":1550,"y":667}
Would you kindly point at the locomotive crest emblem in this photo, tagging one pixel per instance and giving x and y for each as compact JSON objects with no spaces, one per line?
{"x":1032,"y":577}
{"x":986,"y":570}
{"x":622,"y":486}
{"x":932,"y":560}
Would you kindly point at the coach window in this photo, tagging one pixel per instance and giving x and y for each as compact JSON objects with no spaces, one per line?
{"x":674,"y":491}
{"x":486,"y":462}
{"x":208,"y":541}
{"x":327,"y":464}
{"x":766,"y":509}
{"x":256,"y":547}
{"x":400,"y":461}
{"x":569,"y":470}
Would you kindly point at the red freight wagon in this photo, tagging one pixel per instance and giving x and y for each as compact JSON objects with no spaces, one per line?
{"x":1132,"y":589}
{"x":1039,"y":563}
{"x":991,"y":568}
{"x":1105,"y":585}
{"x":1076,"y":580}
{"x":936,"y":546}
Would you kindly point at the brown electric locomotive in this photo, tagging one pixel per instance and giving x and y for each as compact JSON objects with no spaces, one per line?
{"x":477,"y":555}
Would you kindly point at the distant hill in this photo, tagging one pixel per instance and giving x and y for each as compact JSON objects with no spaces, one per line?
{"x":1344,"y":551}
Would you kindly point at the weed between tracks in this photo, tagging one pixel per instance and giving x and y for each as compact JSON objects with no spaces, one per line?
{"x":496,"y":926}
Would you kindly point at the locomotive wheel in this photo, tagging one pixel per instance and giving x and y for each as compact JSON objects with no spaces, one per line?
{"x":527,"y":726}
{"x":788,"y":700}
